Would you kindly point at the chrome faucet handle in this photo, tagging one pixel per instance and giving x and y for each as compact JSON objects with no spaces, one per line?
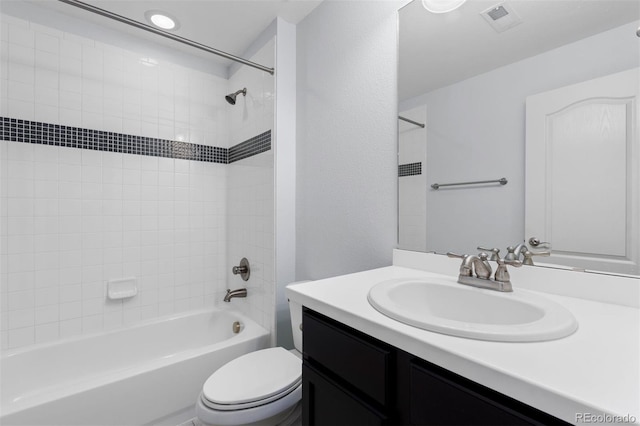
{"x":502,"y":273}
{"x":456,"y":255}
{"x":244,"y":270}
{"x":513,"y":253}
{"x":495,"y":253}
{"x":505,"y":261}
{"x":529,"y":254}
{"x":466,"y":269}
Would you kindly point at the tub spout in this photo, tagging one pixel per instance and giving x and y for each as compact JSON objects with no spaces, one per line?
{"x":240,"y":292}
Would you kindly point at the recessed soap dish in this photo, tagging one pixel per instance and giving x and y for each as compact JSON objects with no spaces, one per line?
{"x":123,"y":288}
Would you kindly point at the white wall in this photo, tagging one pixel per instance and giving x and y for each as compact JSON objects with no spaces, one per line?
{"x":285,"y":175}
{"x":347,"y":138}
{"x":476,"y":131}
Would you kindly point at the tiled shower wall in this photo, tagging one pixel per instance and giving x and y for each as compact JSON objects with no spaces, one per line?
{"x":412,"y":181}
{"x":72,"y":219}
{"x":250,"y":199}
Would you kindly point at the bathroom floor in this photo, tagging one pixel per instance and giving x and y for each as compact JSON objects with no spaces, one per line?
{"x":196,"y":422}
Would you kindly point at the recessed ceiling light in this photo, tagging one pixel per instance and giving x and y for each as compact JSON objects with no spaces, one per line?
{"x":442,"y":6}
{"x":161,"y":19}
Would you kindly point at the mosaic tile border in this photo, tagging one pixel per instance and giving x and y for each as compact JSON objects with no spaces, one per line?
{"x":250,"y":147}
{"x":410,"y":169}
{"x":25,"y":131}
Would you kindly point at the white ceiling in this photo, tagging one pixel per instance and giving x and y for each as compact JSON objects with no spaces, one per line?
{"x":228,"y":25}
{"x":438,"y":50}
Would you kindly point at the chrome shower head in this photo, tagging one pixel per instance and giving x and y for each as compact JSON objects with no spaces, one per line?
{"x":231,"y":98}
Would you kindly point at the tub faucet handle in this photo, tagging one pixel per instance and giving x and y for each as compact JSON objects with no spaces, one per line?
{"x":244,"y":270}
{"x":238,"y":270}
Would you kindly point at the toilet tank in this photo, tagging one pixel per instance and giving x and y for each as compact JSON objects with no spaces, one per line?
{"x":295,"y":309}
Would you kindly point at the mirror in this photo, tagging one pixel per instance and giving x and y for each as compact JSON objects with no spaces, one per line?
{"x":471,"y":77}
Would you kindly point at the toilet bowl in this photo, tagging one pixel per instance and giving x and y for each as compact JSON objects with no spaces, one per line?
{"x":259,"y":388}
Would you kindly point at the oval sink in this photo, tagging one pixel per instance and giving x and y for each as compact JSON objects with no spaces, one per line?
{"x":450,"y":308}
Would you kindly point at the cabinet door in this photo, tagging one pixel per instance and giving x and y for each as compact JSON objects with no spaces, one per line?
{"x":326,"y":403}
{"x":351,"y":357}
{"x":439,"y":397}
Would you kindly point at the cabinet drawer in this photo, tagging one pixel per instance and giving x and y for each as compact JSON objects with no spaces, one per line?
{"x":327,"y":403}
{"x":438,"y":396}
{"x":349,"y":355}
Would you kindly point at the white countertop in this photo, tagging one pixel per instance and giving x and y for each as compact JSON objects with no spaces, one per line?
{"x":593,"y":371}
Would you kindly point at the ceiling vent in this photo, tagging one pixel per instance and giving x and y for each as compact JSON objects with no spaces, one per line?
{"x":501,"y":17}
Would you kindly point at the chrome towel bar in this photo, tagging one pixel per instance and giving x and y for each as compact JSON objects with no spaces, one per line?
{"x":410,"y":121}
{"x":501,"y":181}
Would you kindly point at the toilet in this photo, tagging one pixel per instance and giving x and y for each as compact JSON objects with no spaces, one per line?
{"x":259,"y":388}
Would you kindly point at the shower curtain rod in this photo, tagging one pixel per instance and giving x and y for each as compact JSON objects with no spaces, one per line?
{"x":410,"y":121}
{"x":174,"y":37}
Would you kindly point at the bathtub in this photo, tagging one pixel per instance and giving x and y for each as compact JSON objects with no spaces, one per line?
{"x":150,"y":373}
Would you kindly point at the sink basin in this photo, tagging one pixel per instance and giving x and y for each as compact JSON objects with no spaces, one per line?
{"x":444,"y":306}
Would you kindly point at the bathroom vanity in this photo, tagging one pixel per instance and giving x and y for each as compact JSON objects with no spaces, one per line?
{"x":352,"y":378}
{"x":362,"y":367}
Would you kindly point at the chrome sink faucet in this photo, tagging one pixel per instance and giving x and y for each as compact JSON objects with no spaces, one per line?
{"x":479,"y":266}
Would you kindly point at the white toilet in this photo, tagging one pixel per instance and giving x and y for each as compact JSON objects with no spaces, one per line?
{"x":258,"y":388}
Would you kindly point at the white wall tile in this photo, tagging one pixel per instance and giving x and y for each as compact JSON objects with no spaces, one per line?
{"x":47,"y":314}
{"x":76,"y":218}
{"x":21,"y":337}
{"x":20,"y":91}
{"x":250,"y":219}
{"x":70,"y":327}
{"x":47,"y":332}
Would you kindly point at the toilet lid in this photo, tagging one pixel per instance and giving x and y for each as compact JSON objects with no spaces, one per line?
{"x":253,"y":377}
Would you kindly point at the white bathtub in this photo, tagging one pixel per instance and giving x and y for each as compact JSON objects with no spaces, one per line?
{"x":150,"y":373}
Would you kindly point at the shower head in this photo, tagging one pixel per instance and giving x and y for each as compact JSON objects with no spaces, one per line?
{"x":231,"y":98}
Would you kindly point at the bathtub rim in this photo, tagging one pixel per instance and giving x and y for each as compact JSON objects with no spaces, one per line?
{"x":169,"y":317}
{"x":61,"y":391}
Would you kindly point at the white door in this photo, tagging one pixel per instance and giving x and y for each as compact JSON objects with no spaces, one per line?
{"x":582,"y":181}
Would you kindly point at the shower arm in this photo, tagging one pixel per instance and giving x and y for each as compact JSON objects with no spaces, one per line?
{"x":125,"y":20}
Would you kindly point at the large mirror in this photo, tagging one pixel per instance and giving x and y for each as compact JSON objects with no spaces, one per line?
{"x":537,"y":101}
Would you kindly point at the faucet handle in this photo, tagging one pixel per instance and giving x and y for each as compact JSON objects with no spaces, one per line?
{"x":495,"y":252}
{"x":505,"y":261}
{"x":456,"y":255}
{"x":502,"y":274}
{"x":466,"y":269}
{"x":529,"y":254}
{"x":511,"y":254}
{"x":244,"y":270}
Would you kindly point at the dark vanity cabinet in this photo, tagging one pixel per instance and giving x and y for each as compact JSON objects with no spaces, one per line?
{"x":350,"y":378}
